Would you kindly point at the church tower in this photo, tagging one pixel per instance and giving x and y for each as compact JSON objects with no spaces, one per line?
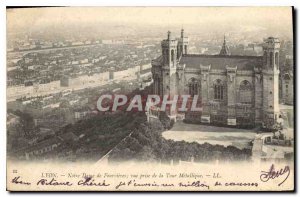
{"x":169,"y":51}
{"x":183,"y":44}
{"x":270,"y":82}
{"x":225,"y":49}
{"x":170,"y":58}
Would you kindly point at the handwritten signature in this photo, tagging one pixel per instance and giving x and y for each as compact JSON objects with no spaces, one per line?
{"x":17,"y":180}
{"x":274,"y":174}
{"x":87,"y":181}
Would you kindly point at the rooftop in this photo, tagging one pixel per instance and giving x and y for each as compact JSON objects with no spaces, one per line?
{"x":220,"y":61}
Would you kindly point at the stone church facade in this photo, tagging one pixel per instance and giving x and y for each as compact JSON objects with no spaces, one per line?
{"x":232,"y":90}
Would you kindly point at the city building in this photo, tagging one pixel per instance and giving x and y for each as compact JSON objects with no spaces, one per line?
{"x":287,"y":81}
{"x":232,"y":90}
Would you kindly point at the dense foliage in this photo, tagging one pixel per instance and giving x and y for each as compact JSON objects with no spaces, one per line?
{"x":98,"y":135}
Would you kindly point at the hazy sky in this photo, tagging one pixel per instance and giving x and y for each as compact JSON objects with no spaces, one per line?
{"x":270,"y":17}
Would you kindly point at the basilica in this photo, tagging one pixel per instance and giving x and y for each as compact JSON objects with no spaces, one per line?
{"x":232,"y":90}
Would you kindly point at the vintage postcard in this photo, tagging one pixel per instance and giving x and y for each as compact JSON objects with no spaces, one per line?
{"x":150,"y":99}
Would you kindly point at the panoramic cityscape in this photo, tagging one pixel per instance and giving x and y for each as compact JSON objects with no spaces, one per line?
{"x":243,"y":77}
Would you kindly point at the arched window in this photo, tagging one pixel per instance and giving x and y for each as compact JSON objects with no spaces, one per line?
{"x":287,"y":77}
{"x":245,"y":92}
{"x":271,"y":58}
{"x":164,"y":55}
{"x":277,"y":60}
{"x":265,"y":58}
{"x":157,"y":85}
{"x":172,"y":55}
{"x":193,"y":87}
{"x":167,"y":55}
{"x":218,"y":90}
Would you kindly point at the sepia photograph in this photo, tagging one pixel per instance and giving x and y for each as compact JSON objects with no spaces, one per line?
{"x":150,"y":99}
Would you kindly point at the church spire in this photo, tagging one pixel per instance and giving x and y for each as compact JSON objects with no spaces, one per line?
{"x":225,"y":49}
